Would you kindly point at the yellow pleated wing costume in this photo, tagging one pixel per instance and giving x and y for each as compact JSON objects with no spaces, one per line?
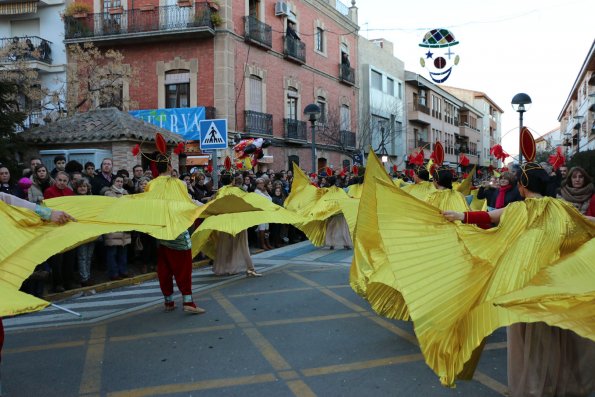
{"x":460,"y":283}
{"x":234,"y":210}
{"x":164,"y":212}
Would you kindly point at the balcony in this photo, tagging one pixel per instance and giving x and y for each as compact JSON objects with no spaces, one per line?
{"x":26,"y":48}
{"x":419,"y":113}
{"x":145,"y":24}
{"x":294,"y":50}
{"x":258,"y":32}
{"x":295,"y":130}
{"x":258,"y":123}
{"x":346,"y":74}
{"x":347,"y":139}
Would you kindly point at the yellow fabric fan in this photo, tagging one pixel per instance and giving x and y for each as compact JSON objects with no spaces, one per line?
{"x":465,"y":186}
{"x":164,"y":212}
{"x":477,"y":204}
{"x":14,"y":302}
{"x":420,"y":190}
{"x":234,"y":210}
{"x":460,"y":283}
{"x":355,"y":190}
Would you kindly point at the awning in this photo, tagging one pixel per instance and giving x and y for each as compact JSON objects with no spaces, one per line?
{"x":18,"y":8}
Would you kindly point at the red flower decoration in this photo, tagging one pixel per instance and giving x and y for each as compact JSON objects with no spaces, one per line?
{"x":417,"y":158}
{"x":136,"y":150}
{"x":395,"y":168}
{"x":355,"y":170}
{"x":463,"y":160}
{"x":227,"y":163}
{"x":210,"y":169}
{"x":329,"y":171}
{"x":160,"y":143}
{"x":557,"y":160}
{"x":465,"y":175}
{"x":498,"y":152}
{"x":179,"y":148}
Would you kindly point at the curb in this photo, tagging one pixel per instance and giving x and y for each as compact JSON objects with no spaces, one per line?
{"x":108,"y":285}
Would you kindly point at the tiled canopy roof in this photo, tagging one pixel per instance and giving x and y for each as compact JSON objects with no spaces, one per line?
{"x":100,"y":125}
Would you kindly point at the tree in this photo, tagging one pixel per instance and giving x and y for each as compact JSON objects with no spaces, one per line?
{"x":379,"y":133}
{"x":96,"y":78}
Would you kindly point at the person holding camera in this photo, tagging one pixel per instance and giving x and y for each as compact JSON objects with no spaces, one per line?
{"x":501,"y":193}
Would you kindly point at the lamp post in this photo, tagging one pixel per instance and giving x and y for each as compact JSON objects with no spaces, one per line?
{"x":313,"y":113}
{"x":521,"y":103}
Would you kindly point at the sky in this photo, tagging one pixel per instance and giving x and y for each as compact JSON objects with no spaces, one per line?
{"x":505,"y":47}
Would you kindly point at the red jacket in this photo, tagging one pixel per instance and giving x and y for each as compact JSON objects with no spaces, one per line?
{"x":53,"y":191}
{"x":591,"y":209}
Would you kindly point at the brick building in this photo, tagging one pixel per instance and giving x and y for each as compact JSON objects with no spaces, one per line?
{"x":255,"y":63}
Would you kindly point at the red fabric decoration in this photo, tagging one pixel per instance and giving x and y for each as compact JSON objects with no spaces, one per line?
{"x":210,"y":169}
{"x":410,"y":173}
{"x":313,"y":175}
{"x":355,"y":169}
{"x":438,"y":154}
{"x":479,"y":173}
{"x":343,"y":172}
{"x":136,"y":150}
{"x":557,"y":160}
{"x":504,"y":169}
{"x":498,"y":152}
{"x":528,"y":145}
{"x":329,"y":171}
{"x":417,"y":158}
{"x":160,"y":143}
{"x":465,"y":175}
{"x":179,"y":148}
{"x":227,"y":163}
{"x":395,"y":168}
{"x":463,"y":160}
{"x":491,"y":169}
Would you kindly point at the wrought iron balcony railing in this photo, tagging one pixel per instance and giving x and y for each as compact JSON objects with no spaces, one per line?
{"x":28,"y":48}
{"x":166,"y":18}
{"x":258,"y":32}
{"x":258,"y":123}
{"x":295,"y":49}
{"x":346,"y":74}
{"x":347,"y":138}
{"x":295,"y":129}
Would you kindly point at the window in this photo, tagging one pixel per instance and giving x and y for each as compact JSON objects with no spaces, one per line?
{"x":422,"y":97}
{"x":319,"y":40}
{"x":376,"y":80}
{"x":292,"y":104}
{"x":390,"y":86}
{"x":255,"y":87}
{"x":400,"y":92}
{"x":345,"y":118}
{"x":177,"y":89}
{"x":321,"y":102}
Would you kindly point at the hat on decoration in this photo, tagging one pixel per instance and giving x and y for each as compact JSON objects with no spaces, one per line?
{"x":528,"y":145}
{"x":438,"y":38}
{"x":158,"y":156}
{"x":557,"y":160}
{"x":227,"y":164}
{"x":329,"y":171}
{"x":343,"y":172}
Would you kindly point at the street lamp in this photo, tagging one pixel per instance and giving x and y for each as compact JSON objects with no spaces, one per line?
{"x":521,"y":103}
{"x":313,"y":113}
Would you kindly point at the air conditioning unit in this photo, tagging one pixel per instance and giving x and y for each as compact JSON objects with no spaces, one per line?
{"x":282,"y":8}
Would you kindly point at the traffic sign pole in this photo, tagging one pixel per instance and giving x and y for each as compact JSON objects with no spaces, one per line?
{"x":213,"y":136}
{"x":214,"y":174}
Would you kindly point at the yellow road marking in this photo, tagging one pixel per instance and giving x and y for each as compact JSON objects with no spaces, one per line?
{"x":195,"y":386}
{"x":267,"y":350}
{"x":37,"y":348}
{"x":288,"y":375}
{"x":394,"y":329}
{"x":300,"y":389}
{"x":91,"y":376}
{"x":229,"y":308}
{"x":306,"y":319}
{"x":333,"y":369}
{"x":495,"y":346}
{"x":274,"y":291}
{"x":328,"y":292}
{"x":170,"y":333}
{"x":490,"y":382}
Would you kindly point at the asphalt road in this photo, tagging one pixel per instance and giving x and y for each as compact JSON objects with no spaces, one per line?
{"x":298,"y":331}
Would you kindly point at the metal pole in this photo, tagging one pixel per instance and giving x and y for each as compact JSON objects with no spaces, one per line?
{"x":314,"y":170}
{"x":214,"y":175}
{"x":520,"y":138}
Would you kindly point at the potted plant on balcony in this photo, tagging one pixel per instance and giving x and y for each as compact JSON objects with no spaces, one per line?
{"x":77,"y":10}
{"x":216,"y":19}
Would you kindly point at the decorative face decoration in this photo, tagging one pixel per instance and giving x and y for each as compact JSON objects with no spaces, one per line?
{"x":440,"y":55}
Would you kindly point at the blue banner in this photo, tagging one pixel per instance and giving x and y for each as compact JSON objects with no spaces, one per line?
{"x":182,"y":121}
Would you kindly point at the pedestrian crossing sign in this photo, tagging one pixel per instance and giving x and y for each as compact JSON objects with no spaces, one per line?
{"x":213,"y":134}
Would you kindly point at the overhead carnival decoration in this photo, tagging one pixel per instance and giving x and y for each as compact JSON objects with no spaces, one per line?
{"x":439,"y":58}
{"x":247,"y":152}
{"x":557,"y":160}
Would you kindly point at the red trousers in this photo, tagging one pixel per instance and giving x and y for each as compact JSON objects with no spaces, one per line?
{"x":172,"y":263}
